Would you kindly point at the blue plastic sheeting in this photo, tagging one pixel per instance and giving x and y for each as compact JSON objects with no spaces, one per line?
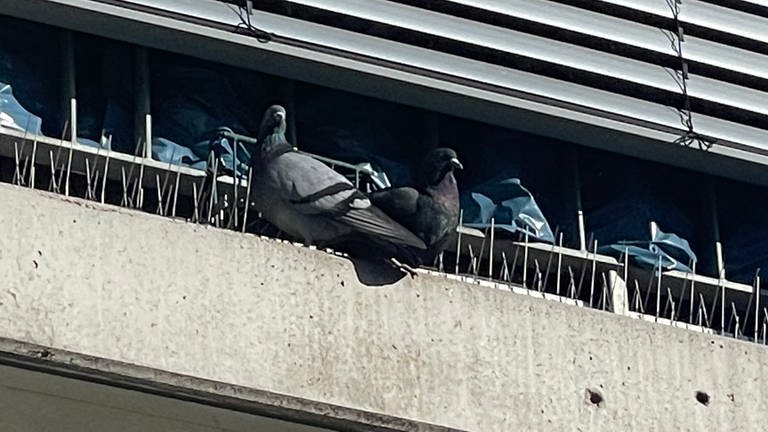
{"x":168,"y":151}
{"x":14,"y":116}
{"x":512,"y":207}
{"x":666,"y":250}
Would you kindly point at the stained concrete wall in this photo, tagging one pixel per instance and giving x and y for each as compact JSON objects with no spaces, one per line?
{"x":258,"y":313}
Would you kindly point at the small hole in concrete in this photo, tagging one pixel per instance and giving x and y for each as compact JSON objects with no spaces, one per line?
{"x":702,"y":397}
{"x":594,"y":397}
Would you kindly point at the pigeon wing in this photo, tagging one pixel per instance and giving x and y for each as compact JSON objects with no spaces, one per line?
{"x":311,"y":187}
{"x":399,"y":202}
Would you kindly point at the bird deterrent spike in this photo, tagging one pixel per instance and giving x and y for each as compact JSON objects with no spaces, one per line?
{"x":16,"y":170}
{"x":525,"y":261}
{"x":124,"y":182}
{"x":52,"y":187}
{"x":504,"y":274}
{"x":247,"y":198}
{"x":140,"y":191}
{"x":196,"y":214}
{"x":32,"y":167}
{"x":176,"y":189}
{"x":471,"y":259}
{"x":87,"y":179}
{"x":458,"y":241}
{"x":159,"y":195}
{"x":537,"y":275}
{"x":604,"y":292}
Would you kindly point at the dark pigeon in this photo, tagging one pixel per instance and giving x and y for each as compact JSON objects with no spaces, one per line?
{"x":308,"y":200}
{"x":431,"y":208}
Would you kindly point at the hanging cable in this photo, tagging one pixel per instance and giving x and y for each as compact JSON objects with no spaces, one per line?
{"x":246,"y":27}
{"x":690,"y":136}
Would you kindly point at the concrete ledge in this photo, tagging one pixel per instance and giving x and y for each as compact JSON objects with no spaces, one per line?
{"x":262,"y":315}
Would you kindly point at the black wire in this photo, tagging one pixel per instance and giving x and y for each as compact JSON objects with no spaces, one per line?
{"x":247,"y":28}
{"x":690,"y":137}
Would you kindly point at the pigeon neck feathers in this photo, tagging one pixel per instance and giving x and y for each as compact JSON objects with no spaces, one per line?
{"x":274,"y":145}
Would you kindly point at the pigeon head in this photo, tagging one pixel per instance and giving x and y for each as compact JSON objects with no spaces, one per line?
{"x":271,"y":140}
{"x":273,"y":121}
{"x":436,"y":164}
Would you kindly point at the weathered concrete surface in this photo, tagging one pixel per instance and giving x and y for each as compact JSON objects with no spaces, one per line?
{"x":258,"y":313}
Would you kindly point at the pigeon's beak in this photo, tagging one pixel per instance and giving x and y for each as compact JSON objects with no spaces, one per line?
{"x":456,"y":164}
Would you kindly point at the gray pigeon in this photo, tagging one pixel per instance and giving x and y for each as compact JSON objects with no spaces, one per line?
{"x":308,"y":200}
{"x":431,"y":208}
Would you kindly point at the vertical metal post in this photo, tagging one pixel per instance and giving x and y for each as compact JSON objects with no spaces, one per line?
{"x":757,"y":302}
{"x":490,"y":251}
{"x":693,"y":290}
{"x":658,"y":288}
{"x":721,"y":281}
{"x":73,"y":139}
{"x":148,"y":136}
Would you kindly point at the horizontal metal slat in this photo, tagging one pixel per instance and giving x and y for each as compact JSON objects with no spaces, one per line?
{"x":704,"y":14}
{"x":626,"y":32}
{"x":578,"y":20}
{"x":544,"y":49}
{"x":510,"y":41}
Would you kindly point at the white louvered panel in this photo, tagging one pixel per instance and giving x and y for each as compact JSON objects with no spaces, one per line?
{"x":501,"y":39}
{"x":579,"y":20}
{"x":707,"y":15}
{"x":541,"y":48}
{"x":627,"y":32}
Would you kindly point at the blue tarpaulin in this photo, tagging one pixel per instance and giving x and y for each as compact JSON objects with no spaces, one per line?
{"x":13,"y":115}
{"x":667,"y":251}
{"x":510,"y":205}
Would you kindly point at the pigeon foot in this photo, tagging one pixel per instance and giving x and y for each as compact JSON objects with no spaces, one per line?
{"x":403,"y":267}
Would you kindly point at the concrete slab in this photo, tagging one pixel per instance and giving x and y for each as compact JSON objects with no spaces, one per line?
{"x":265,"y":315}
